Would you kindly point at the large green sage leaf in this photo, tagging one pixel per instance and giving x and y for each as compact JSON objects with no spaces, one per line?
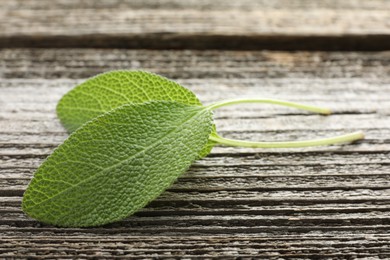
{"x":117,"y":163}
{"x":110,"y":90}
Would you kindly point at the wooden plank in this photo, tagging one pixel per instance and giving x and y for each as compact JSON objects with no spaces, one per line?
{"x":232,"y":68}
{"x":305,"y":203}
{"x":147,"y":247}
{"x":197,"y":4}
{"x":278,"y":25}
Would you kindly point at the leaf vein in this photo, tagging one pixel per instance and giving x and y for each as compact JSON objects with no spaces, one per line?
{"x":123,"y":161}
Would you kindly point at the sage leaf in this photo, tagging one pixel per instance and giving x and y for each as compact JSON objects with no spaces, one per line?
{"x":110,"y":90}
{"x":117,"y":163}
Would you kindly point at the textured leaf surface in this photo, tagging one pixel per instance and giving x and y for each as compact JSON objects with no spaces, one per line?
{"x":117,"y":163}
{"x":110,"y":90}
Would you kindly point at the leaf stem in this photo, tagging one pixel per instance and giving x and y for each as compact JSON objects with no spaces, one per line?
{"x":294,"y":144}
{"x":315,"y":142}
{"x":311,"y":108}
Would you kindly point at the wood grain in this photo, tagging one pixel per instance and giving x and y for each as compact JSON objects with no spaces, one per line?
{"x":321,"y":202}
{"x":173,"y":24}
{"x":197,"y":4}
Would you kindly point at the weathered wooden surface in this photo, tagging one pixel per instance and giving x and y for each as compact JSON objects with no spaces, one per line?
{"x":306,"y":203}
{"x":221,"y":24}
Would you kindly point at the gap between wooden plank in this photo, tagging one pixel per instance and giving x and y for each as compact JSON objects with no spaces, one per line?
{"x":193,"y":41}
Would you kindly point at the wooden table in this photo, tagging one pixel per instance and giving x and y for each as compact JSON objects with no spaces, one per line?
{"x":322,"y":202}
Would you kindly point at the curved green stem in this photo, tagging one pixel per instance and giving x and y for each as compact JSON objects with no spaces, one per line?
{"x":295,"y":144}
{"x":316,"y":142}
{"x":315,"y":109}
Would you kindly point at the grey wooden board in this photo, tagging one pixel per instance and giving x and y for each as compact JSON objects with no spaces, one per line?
{"x":315,"y":202}
{"x":221,"y":24}
{"x":198,"y":4}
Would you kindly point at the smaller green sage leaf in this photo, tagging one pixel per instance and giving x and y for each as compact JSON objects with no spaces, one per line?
{"x":113,"y":89}
{"x":106,"y":91}
{"x":117,"y":163}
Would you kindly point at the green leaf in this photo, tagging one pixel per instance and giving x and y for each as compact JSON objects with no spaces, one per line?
{"x":110,"y":90}
{"x":117,"y":163}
